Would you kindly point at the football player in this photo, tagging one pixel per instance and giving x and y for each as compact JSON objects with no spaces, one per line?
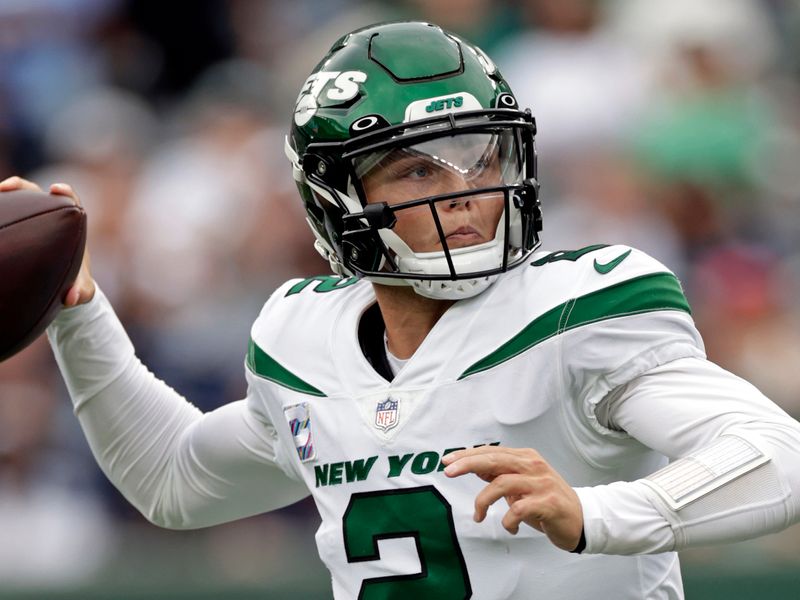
{"x":473,"y":417}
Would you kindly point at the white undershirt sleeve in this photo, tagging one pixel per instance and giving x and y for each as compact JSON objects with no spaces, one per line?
{"x":734,"y":473}
{"x":181,"y":468}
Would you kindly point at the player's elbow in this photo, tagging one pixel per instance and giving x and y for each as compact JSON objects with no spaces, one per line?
{"x":169,"y":514}
{"x":780,"y":440}
{"x":173,"y":520}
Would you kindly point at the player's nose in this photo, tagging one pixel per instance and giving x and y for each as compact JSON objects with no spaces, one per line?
{"x":455,"y":204}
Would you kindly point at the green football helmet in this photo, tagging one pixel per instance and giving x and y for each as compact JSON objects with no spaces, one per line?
{"x":414,"y":162}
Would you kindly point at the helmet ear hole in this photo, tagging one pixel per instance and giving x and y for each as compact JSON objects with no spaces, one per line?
{"x":325,"y":169}
{"x":360,"y":254}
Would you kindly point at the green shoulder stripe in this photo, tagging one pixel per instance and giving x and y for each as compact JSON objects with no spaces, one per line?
{"x":263,"y":365}
{"x":656,"y":291}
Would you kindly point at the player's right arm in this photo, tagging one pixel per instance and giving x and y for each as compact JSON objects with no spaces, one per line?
{"x":181,"y":468}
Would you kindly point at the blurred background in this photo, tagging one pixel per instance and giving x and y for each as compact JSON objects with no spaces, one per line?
{"x":672,"y":126}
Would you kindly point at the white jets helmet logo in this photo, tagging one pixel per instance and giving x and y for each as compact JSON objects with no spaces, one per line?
{"x":345,"y":87}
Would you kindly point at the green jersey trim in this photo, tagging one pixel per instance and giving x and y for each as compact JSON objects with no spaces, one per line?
{"x":648,"y":293}
{"x":263,"y":365}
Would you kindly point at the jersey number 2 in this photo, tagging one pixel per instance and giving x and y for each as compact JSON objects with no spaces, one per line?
{"x":421,"y":513}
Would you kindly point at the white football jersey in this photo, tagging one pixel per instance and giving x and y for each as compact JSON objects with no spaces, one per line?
{"x":521,"y":365}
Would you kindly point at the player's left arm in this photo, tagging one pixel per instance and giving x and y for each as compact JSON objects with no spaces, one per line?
{"x":735,"y":454}
{"x":734,"y":474}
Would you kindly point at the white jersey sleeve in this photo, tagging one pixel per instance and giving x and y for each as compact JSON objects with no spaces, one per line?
{"x":735,"y":456}
{"x":627,"y":322}
{"x":181,"y":468}
{"x":632,"y":366}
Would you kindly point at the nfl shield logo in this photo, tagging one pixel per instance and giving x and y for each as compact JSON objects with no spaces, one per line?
{"x":386,"y":414}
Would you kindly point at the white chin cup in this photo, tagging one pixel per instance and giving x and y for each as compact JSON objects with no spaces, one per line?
{"x":451,"y":290}
{"x":470,"y":259}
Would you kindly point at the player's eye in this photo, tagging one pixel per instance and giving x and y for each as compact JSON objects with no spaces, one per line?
{"x":415,"y":170}
{"x":419,"y":172}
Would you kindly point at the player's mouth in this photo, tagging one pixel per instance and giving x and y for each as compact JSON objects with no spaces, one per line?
{"x":463,"y":236}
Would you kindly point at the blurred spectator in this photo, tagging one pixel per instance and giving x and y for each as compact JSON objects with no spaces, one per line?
{"x":46,"y":59}
{"x":736,"y":38}
{"x":708,"y":139}
{"x":55,"y":531}
{"x":585,"y":85}
{"x":603,"y":199}
{"x":161,"y":48}
{"x":742,"y":302}
{"x":486,"y":23}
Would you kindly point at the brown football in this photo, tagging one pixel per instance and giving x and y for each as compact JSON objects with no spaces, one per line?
{"x":42,"y":237}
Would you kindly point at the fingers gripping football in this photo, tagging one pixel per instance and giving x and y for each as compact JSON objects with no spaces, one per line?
{"x":535,"y":493}
{"x":84,"y":287}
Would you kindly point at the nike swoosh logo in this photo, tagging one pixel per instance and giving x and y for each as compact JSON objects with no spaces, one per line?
{"x":604,"y":268}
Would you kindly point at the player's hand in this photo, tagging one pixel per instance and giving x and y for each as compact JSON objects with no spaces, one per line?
{"x":535,"y":493}
{"x":84,"y":287}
